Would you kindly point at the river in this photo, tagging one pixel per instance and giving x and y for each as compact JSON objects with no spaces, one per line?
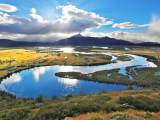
{"x":42,"y":80}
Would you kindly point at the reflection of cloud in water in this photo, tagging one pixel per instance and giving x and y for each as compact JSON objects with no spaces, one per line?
{"x":65,"y":69}
{"x":68,"y":81}
{"x":15,"y":78}
{"x":66,"y":49}
{"x":39,"y":71}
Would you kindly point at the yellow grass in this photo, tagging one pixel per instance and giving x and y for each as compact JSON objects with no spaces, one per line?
{"x":27,"y":57}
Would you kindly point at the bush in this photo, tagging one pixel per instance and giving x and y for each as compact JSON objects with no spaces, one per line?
{"x":130,"y":87}
{"x":141,"y":102}
{"x":148,"y":115}
{"x":69,"y":95}
{"x":40,"y":97}
{"x":101,"y":92}
{"x":24,"y":100}
{"x":18,"y":114}
{"x":110,"y":107}
{"x":67,"y":98}
{"x":120,"y":116}
{"x":54,"y":97}
{"x":19,"y":102}
{"x":101,"y":98}
{"x":95,"y":118}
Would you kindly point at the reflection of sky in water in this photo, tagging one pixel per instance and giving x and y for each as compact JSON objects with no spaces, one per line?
{"x":30,"y":83}
{"x":123,"y":71}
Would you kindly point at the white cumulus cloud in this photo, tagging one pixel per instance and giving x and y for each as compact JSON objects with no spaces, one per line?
{"x":71,"y":11}
{"x":34,"y":15}
{"x":73,"y":20}
{"x":8,"y":8}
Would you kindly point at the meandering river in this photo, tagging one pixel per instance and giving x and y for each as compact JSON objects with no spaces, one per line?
{"x":42,"y":80}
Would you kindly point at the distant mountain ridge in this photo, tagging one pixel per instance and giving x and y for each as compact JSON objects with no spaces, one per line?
{"x":76,"y":40}
{"x":11,"y":43}
{"x":79,"y":40}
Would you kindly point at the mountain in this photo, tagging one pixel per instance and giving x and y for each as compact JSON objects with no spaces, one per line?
{"x":79,"y":40}
{"x":76,"y":40}
{"x":78,"y":35}
{"x":11,"y":43}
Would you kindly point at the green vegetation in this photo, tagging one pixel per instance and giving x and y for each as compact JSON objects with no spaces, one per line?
{"x":120,"y":116}
{"x":148,"y":115}
{"x":60,"y":108}
{"x":141,"y":102}
{"x":96,"y":118}
{"x":39,"y":99}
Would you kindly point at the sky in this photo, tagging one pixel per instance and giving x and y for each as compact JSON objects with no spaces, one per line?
{"x":52,"y":20}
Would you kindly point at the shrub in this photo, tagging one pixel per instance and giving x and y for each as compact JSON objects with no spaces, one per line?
{"x":130,"y":87}
{"x":18,"y":114}
{"x":110,"y":107}
{"x":24,"y":99}
{"x":19,"y":102}
{"x":69,"y":95}
{"x":40,"y":97}
{"x":54,"y":97}
{"x":141,"y":102}
{"x":101,"y":92}
{"x":95,"y":118}
{"x":120,"y":116}
{"x":67,"y":98}
{"x":148,"y":115}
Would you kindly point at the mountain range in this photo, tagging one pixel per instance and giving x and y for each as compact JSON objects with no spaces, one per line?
{"x":77,"y":40}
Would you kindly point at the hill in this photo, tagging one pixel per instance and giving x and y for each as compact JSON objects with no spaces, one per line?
{"x":77,"y":40}
{"x":11,"y":43}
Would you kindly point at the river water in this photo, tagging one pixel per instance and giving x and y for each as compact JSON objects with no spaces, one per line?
{"x":42,"y":80}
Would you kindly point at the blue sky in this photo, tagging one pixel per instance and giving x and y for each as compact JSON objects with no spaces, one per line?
{"x":128,"y":19}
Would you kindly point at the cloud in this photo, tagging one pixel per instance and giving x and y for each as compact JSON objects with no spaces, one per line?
{"x":127,"y":25}
{"x":69,"y":3}
{"x":153,"y":32}
{"x":73,"y":20}
{"x":34,"y":15}
{"x":67,"y":81}
{"x":14,"y":79}
{"x":37,"y":72}
{"x":71,"y":11}
{"x":7,"y":8}
{"x":128,"y":36}
{"x":6,"y":19}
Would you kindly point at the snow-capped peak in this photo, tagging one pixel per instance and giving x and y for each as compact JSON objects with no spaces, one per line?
{"x":78,"y":35}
